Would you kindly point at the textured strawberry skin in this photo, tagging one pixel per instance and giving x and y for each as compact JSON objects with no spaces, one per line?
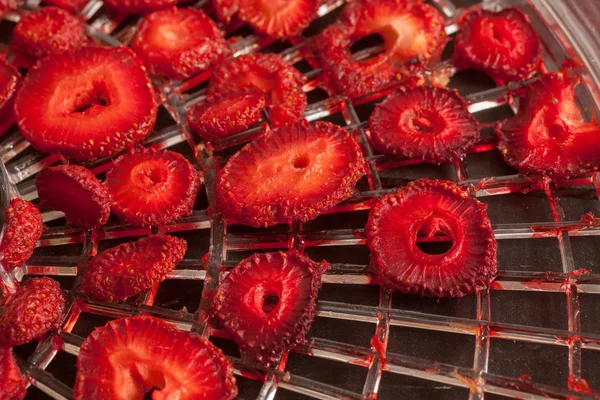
{"x":130,"y":268}
{"x":35,"y":309}
{"x":24,"y":226}
{"x":225,"y":9}
{"x":239,"y":300}
{"x":56,"y":184}
{"x":10,"y":4}
{"x":72,"y":6}
{"x":278,"y":19}
{"x":12,"y":384}
{"x":10,"y":81}
{"x":138,"y":6}
{"x":428,"y":207}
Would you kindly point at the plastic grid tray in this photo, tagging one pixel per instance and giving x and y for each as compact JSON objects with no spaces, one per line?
{"x":418,"y":336}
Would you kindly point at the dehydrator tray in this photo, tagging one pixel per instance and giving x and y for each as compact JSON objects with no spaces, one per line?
{"x":535,"y":334}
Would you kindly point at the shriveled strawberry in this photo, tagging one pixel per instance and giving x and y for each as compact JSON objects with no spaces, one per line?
{"x":34,"y":309}
{"x":279,"y":18}
{"x":46,"y":31}
{"x":75,"y":191}
{"x":129,"y":358}
{"x":179,"y":42}
{"x":225,"y":9}
{"x":10,"y":4}
{"x":267,"y":302}
{"x":138,"y":6}
{"x":90,"y":103}
{"x":72,"y":6}
{"x":423,"y":210}
{"x":218,"y":120}
{"x":548,"y":135}
{"x":12,"y":384}
{"x":411,"y":31}
{"x":502,"y":44}
{"x":130,"y":268}
{"x":262,"y":74}
{"x":10,"y":80}
{"x":150,"y":187}
{"x":424,"y":122}
{"x":23,"y":227}
{"x":292,"y":173}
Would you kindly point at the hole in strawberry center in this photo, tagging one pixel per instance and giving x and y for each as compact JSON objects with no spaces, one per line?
{"x":365,"y":42}
{"x":270,"y":302}
{"x":96,"y":101}
{"x":302,"y":161}
{"x":149,"y":177}
{"x":425,"y":121}
{"x":434,"y":237}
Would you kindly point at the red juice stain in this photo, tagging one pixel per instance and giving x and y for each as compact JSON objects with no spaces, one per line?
{"x":582,"y":271}
{"x":497,"y":286}
{"x":588,"y":217}
{"x":534,"y":285}
{"x":580,"y":385}
{"x":525,"y":377}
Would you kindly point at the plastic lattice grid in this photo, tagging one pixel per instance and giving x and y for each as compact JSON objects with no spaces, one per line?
{"x":524,"y":338}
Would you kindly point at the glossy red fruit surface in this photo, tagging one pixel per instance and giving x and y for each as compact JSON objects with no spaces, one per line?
{"x":72,"y":6}
{"x":279,"y":18}
{"x":12,"y":384}
{"x":23,"y":227}
{"x":137,"y":6}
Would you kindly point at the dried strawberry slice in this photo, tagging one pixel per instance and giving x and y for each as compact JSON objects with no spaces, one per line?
{"x":138,"y":6}
{"x":262,"y":74}
{"x":93,"y":102}
{"x":410,"y":30}
{"x":426,"y":209}
{"x":225,"y":9}
{"x":75,"y":191}
{"x":267,"y":302}
{"x":23,"y":227}
{"x":293,"y":173}
{"x":424,"y":122}
{"x":129,"y":358}
{"x":150,"y":187}
{"x":10,"y":80}
{"x":72,"y":6}
{"x":218,"y":120}
{"x":503,"y":44}
{"x":548,"y":135}
{"x":35,"y":309}
{"x":279,"y":18}
{"x":179,"y":42}
{"x":47,"y":31}
{"x":130,"y":268}
{"x":12,"y":384}
{"x":10,"y":4}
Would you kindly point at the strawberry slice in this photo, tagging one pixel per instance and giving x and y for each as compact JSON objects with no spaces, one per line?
{"x":424,"y":122}
{"x":218,"y":120}
{"x":130,"y":268}
{"x":262,"y":74}
{"x":75,"y":191}
{"x":423,"y":210}
{"x":23,"y":227}
{"x":548,"y":135}
{"x":278,"y":18}
{"x":150,"y":187}
{"x":93,"y":102}
{"x":225,"y":9}
{"x":46,"y":31}
{"x":411,"y":31}
{"x":72,"y":6}
{"x":137,"y":6}
{"x":10,"y":4}
{"x":144,"y":357}
{"x":179,"y":42}
{"x":12,"y":384}
{"x":10,"y":80}
{"x":267,"y":302}
{"x":502,"y":44}
{"x":35,"y":309}
{"x":292,"y":173}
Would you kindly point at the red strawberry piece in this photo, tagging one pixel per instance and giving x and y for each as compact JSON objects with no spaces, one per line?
{"x":34,"y":309}
{"x":10,"y":4}
{"x":150,"y":187}
{"x":218,"y":120}
{"x":138,"y":6}
{"x":502,"y":44}
{"x":267,"y":302}
{"x":130,"y":268}
{"x":75,"y":191}
{"x":72,"y":6}
{"x":279,"y":18}
{"x":129,"y":358}
{"x":10,"y":80}
{"x":423,"y":210}
{"x":262,"y":74}
{"x":47,"y":31}
{"x":293,"y":173}
{"x":93,"y":102}
{"x":179,"y":42}
{"x":411,"y":31}
{"x":423,"y":122}
{"x":548,"y":135}
{"x":12,"y":384}
{"x":225,"y":9}
{"x":24,"y":226}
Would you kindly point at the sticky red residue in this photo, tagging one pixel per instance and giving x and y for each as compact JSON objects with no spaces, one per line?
{"x":579,"y":385}
{"x":588,"y":217}
{"x":581,"y":271}
{"x":497,"y":286}
{"x":57,"y":341}
{"x":525,"y":377}
{"x":534,"y":285}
